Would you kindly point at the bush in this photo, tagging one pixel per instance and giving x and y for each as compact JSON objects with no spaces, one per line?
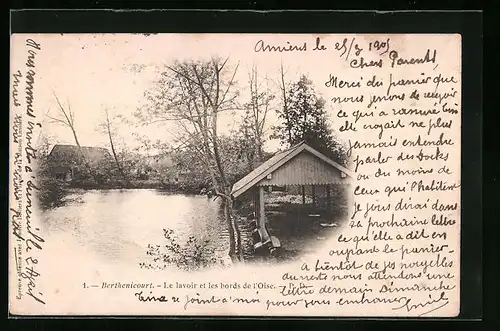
{"x":195,"y":254}
{"x":51,"y":191}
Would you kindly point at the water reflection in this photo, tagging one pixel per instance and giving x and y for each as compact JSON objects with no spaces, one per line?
{"x":118,"y":226}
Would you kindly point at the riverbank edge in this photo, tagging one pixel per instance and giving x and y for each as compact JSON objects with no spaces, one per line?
{"x":134,"y":185}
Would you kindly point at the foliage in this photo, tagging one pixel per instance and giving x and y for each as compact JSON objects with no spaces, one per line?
{"x":239,"y":155}
{"x":192,"y":94}
{"x":191,"y":174}
{"x":51,"y":192}
{"x":304,"y":119}
{"x":195,"y":254}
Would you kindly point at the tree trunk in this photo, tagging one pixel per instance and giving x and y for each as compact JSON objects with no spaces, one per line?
{"x":224,"y":193}
{"x":235,"y":249}
{"x":118,"y":166}
{"x":230,"y":229}
{"x":69,"y":121}
{"x":285,"y":106}
{"x":260,"y":153}
{"x":234,"y":234}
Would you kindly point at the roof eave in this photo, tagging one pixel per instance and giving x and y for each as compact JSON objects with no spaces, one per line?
{"x":286,"y":157}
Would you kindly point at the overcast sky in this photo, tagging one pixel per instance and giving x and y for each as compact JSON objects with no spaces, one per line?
{"x":94,"y":72}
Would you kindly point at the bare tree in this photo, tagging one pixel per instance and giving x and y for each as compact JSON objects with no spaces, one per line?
{"x":66,"y":117}
{"x":284,"y":98}
{"x":257,"y":110}
{"x":193,"y":94}
{"x":108,"y":128}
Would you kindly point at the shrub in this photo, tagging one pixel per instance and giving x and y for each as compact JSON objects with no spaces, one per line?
{"x":195,"y":254}
{"x":51,"y":191}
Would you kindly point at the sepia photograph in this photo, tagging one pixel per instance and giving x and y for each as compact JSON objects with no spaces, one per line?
{"x":187,"y":162}
{"x":179,"y":174}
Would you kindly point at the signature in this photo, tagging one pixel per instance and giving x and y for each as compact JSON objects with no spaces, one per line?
{"x":409,"y":306}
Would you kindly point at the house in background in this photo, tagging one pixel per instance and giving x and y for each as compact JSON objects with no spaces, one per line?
{"x":67,"y":162}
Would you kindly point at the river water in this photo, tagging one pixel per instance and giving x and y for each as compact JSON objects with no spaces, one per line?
{"x":149,"y":228}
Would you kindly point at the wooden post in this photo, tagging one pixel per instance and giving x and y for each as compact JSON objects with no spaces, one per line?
{"x":303,"y":195}
{"x":328,"y":199}
{"x":313,"y":193}
{"x":261,"y":203}
{"x":262,"y":216}
{"x":256,"y":204}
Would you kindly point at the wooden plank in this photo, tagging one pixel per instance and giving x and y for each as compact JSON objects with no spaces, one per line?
{"x":304,"y":169}
{"x":329,"y":161}
{"x":328,"y":199}
{"x":313,"y":193}
{"x":256,"y":205}
{"x":262,"y":216}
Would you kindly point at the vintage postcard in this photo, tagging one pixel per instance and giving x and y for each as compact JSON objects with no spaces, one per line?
{"x":235,"y":175}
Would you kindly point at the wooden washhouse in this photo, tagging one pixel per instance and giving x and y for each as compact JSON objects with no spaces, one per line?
{"x":300,"y":165}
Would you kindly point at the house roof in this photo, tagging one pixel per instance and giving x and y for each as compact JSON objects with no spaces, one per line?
{"x":70,"y":153}
{"x":275,"y":162}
